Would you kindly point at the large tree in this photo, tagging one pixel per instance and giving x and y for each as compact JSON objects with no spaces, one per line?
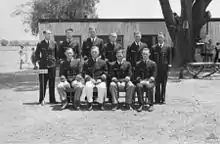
{"x":54,"y":9}
{"x":184,"y":29}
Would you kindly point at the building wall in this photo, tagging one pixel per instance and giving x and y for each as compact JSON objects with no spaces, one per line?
{"x":104,"y":28}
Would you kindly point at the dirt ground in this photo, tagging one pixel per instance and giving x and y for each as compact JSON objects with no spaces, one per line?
{"x":191,"y":115}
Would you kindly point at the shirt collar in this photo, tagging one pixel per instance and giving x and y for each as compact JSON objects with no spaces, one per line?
{"x":95,"y":59}
{"x":93,"y":38}
{"x":69,"y":40}
{"x":161,"y":44}
{"x":123,"y":60}
{"x":137,"y":43}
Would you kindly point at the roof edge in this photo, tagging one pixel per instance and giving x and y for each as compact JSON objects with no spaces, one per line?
{"x":111,"y":20}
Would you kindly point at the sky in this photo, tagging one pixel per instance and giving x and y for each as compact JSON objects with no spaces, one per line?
{"x":11,"y":28}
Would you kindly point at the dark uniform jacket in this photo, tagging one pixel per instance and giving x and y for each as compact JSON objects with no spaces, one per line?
{"x":121,"y":71}
{"x":87,"y":45}
{"x":145,"y":70}
{"x":110,"y":51}
{"x":72,"y":44}
{"x":134,"y":53}
{"x":46,"y":54}
{"x":70,"y":69}
{"x":95,"y":69}
{"x":162,"y":56}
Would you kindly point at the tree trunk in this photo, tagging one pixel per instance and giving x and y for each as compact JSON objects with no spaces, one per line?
{"x":184,"y":38}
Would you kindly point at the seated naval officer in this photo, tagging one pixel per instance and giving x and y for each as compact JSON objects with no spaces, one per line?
{"x":121,"y":72}
{"x":70,"y":76}
{"x":95,"y":74}
{"x":146,"y":71}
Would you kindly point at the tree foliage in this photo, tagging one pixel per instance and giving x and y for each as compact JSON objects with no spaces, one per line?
{"x":54,"y":9}
{"x":184,"y":29}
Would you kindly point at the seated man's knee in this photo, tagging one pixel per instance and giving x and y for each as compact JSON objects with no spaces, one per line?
{"x":139,"y":85}
{"x":113,"y":84}
{"x":89,"y":84}
{"x":131,"y":85}
{"x":102,"y":85}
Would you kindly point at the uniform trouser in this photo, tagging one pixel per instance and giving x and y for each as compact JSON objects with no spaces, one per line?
{"x":141,"y":88}
{"x":161,"y":83}
{"x":43,"y":78}
{"x":77,"y":89}
{"x":102,"y":92}
{"x":109,"y":96}
{"x":115,"y":88}
{"x":133,"y":79}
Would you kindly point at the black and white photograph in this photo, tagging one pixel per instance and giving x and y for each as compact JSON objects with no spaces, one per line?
{"x":110,"y":72}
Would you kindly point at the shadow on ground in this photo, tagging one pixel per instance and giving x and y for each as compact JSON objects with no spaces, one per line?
{"x":24,"y":80}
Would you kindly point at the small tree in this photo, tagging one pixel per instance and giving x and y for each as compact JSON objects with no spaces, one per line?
{"x":185,"y":29}
{"x":4,"y":42}
{"x":54,"y":9}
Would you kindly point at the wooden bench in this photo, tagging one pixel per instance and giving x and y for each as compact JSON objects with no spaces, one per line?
{"x":195,"y":68}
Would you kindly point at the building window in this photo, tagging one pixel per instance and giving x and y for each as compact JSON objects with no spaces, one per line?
{"x":120,"y":39}
{"x":149,"y":39}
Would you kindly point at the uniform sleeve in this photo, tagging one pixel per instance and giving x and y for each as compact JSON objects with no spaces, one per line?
{"x":56,"y":51}
{"x":137,"y":72}
{"x":85,"y":69}
{"x":37,"y":52}
{"x":105,"y":69}
{"x":169,"y":55}
{"x":62,"y":69}
{"x":105,"y":51}
{"x":152,"y":53}
{"x":154,"y":67}
{"x":61,"y":52}
{"x":80,"y":66}
{"x":78,"y":51}
{"x":101,"y":47}
{"x":83,"y":49}
{"x":129,"y":70}
{"x":128,"y":54}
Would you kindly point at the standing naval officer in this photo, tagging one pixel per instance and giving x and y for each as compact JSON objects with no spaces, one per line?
{"x":161,"y":54}
{"x":69,"y":43}
{"x":46,"y":56}
{"x":110,"y":56}
{"x":134,"y":53}
{"x":93,"y":40}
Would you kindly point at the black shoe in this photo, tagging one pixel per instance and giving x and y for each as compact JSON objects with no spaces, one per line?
{"x":90,"y":107}
{"x":115,"y":107}
{"x":53,"y":102}
{"x":129,"y":107}
{"x":150,"y":109}
{"x":77,"y":108}
{"x":163,"y":102}
{"x":102,"y":107}
{"x":64,"y":106}
{"x":140,"y":108}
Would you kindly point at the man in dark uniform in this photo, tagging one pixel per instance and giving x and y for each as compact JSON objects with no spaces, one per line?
{"x":95,"y":74}
{"x":134,"y":53}
{"x":146,"y":71}
{"x":110,"y":56}
{"x":69,"y":42}
{"x":46,"y":56}
{"x":70,"y":76}
{"x":161,"y":54}
{"x":121,"y":72}
{"x":111,"y":47}
{"x":93,"y":40}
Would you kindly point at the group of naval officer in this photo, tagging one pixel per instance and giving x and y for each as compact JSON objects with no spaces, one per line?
{"x":105,"y":68}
